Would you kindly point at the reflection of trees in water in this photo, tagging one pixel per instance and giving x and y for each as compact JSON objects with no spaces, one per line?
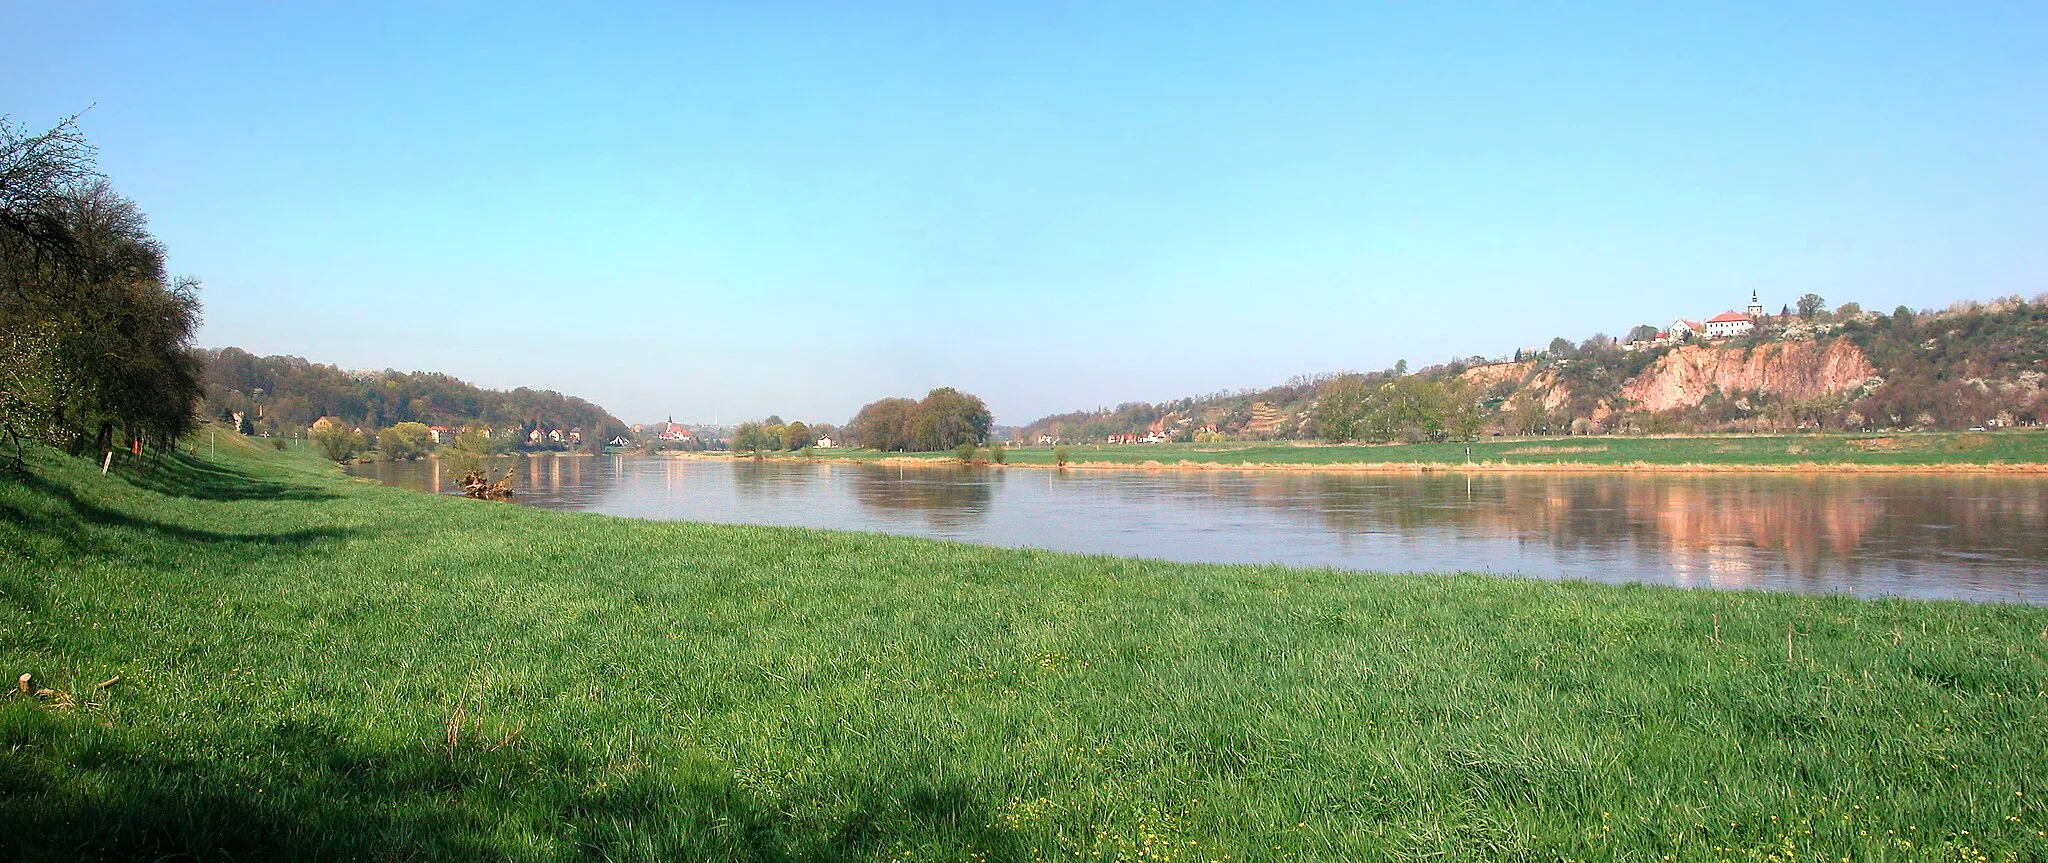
{"x":772,"y":480}
{"x":947,"y":497}
{"x":1814,"y":522}
{"x":545,"y":476}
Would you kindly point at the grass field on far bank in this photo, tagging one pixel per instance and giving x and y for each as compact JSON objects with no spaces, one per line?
{"x":318,"y":668}
{"x":1904,"y":450}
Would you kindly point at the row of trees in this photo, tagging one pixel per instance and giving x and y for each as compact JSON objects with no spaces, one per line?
{"x":95,"y":338}
{"x":774,"y":435}
{"x":944,"y":419}
{"x":1385,"y":408}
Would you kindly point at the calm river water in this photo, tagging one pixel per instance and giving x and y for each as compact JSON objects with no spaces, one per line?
{"x":1959,"y":537}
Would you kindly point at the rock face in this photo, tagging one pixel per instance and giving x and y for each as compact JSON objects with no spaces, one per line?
{"x":1482,"y":378}
{"x":1793,"y":370}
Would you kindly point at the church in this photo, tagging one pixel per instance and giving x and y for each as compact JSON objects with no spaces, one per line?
{"x":1726,"y":325}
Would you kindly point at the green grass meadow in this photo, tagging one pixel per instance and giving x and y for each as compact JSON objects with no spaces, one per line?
{"x":317,"y":668}
{"x":1910,"y":449}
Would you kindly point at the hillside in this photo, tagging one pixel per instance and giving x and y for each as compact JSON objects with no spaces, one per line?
{"x":287,"y":394}
{"x":1968,"y":366}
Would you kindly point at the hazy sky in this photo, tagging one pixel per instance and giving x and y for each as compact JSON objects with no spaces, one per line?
{"x":727,"y":211}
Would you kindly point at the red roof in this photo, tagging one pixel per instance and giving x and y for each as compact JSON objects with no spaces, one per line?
{"x":1727,"y":318}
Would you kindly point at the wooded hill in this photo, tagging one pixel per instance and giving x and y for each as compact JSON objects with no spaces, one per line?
{"x":285,"y":395}
{"x":1973,"y":364}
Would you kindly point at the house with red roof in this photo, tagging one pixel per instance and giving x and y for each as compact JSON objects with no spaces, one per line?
{"x":1728,"y":325}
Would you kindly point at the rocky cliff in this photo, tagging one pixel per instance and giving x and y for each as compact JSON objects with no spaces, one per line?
{"x":1482,"y":378}
{"x":1794,"y":370}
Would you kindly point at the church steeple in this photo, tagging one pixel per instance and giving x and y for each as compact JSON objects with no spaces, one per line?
{"x":1756,"y":308}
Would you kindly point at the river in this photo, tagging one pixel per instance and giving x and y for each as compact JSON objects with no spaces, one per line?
{"x":1971,"y":537}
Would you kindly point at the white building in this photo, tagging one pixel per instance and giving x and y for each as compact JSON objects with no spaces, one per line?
{"x":1728,"y":325}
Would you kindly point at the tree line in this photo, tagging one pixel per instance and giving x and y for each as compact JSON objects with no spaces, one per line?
{"x":95,"y":336}
{"x":1384,"y":408}
{"x":775,"y":435}
{"x":286,"y":395}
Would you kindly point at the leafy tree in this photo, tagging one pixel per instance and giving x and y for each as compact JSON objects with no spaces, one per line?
{"x":1060,"y":455}
{"x":947,"y":418}
{"x":96,"y":336}
{"x":751,"y":438}
{"x":406,"y":440}
{"x":471,"y":451}
{"x":1561,"y":347}
{"x":1810,"y":305}
{"x":796,"y":436}
{"x":883,"y":425}
{"x":996,"y":453}
{"x":1340,"y":406}
{"x":337,"y":441}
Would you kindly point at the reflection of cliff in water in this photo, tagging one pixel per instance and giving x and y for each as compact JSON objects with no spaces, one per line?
{"x":946,"y":498}
{"x":1818,"y":525}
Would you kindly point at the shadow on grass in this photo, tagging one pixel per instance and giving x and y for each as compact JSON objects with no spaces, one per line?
{"x":71,"y":792}
{"x":88,"y":512}
{"x":181,"y":475}
{"x":54,"y":524}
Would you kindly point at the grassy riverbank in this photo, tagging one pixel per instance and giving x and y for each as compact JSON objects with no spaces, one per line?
{"x":318,"y":668}
{"x":2026,"y":450}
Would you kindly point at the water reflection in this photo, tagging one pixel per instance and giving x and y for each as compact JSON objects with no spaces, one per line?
{"x":948,"y":500}
{"x":1979,"y":537}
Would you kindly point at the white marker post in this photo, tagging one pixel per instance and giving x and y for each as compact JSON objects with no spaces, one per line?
{"x":109,"y":462}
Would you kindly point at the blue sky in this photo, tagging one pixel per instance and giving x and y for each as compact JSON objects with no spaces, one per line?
{"x":734,"y":210}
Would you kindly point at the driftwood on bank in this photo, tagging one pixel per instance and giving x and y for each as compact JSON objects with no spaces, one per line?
{"x":478,"y":485}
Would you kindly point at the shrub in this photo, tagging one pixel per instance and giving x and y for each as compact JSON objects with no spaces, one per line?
{"x":279,"y":444}
{"x":995,"y":452}
{"x":336,"y":441}
{"x":1059,"y":455}
{"x":966,"y":452}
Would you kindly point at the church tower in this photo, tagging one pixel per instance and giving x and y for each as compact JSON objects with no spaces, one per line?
{"x":1756,"y":309}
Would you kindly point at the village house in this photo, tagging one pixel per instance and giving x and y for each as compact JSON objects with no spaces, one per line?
{"x":440,"y":434}
{"x":1729,"y":325}
{"x":1047,"y":440}
{"x":826,"y":442}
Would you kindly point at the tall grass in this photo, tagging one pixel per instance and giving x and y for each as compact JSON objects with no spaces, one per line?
{"x":315,"y":668}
